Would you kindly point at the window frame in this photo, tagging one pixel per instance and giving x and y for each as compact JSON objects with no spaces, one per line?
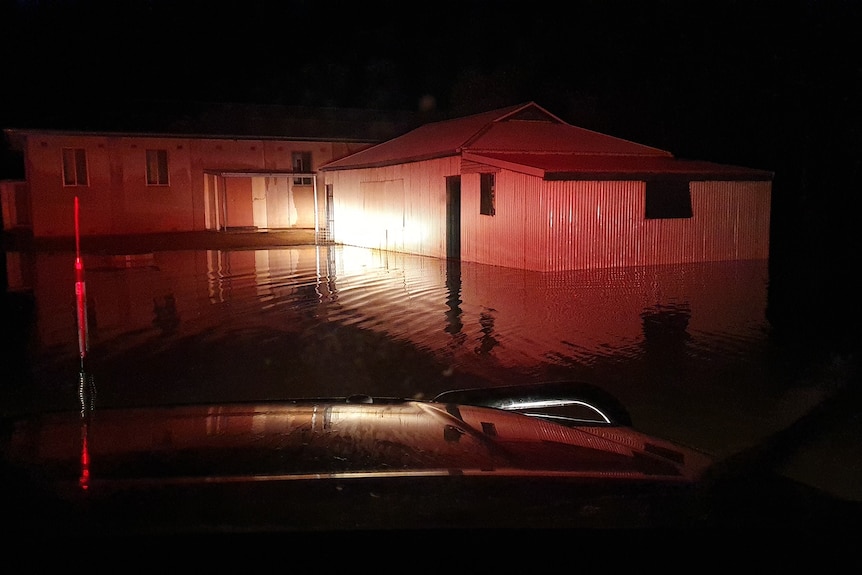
{"x":488,"y":193}
{"x":301,"y":162}
{"x":74,"y":163}
{"x":157,"y":171}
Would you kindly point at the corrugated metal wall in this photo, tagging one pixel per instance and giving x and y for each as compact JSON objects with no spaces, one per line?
{"x":501,"y":239}
{"x":733,"y":219}
{"x":553,"y":226}
{"x":590,"y":225}
{"x":557,"y":226}
{"x":417,"y":225}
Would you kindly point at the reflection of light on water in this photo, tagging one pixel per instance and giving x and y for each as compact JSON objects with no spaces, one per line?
{"x":470,"y":317}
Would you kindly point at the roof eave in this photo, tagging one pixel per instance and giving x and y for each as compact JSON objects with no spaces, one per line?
{"x":182,"y":135}
{"x":694,"y":176}
{"x":332,"y":167}
{"x":497,"y":163}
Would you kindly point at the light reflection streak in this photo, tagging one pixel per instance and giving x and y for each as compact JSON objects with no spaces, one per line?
{"x":540,"y":404}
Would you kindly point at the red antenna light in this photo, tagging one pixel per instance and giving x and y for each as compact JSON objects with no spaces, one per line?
{"x":80,"y":292}
{"x":84,"y":478}
{"x":85,"y":384}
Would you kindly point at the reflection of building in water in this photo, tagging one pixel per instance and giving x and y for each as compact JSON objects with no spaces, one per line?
{"x":454,"y":324}
{"x":487,"y":341}
{"x":666,"y":326}
{"x":165,"y":311}
{"x":511,"y":317}
{"x":327,"y":289}
{"x":665,"y":329}
{"x":17,"y":270}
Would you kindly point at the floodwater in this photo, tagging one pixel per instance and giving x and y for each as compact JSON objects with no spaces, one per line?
{"x":687,"y":349}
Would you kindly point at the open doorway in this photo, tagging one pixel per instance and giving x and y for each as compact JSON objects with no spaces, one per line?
{"x":258,"y":201}
{"x":453,"y":217}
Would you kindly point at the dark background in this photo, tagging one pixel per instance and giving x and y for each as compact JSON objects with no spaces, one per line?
{"x":768,"y":85}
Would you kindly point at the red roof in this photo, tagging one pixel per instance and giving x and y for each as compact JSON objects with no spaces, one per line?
{"x":529,"y":139}
{"x":547,"y":137}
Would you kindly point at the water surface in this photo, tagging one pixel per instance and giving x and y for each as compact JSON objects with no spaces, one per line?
{"x":687,"y":348}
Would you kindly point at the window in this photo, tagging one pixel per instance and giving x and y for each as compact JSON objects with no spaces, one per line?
{"x":668,"y":199}
{"x":487,"y":185}
{"x":157,"y":167}
{"x":74,"y":167}
{"x":302,"y":163}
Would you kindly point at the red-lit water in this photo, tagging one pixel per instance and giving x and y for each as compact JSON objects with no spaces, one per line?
{"x":686,"y":348}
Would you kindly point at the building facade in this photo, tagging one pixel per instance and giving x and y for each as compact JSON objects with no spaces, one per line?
{"x":258,"y":173}
{"x":518,"y":187}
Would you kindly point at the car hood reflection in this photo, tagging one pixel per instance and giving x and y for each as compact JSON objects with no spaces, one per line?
{"x":335,"y":438}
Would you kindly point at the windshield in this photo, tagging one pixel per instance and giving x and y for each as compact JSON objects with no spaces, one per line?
{"x":301,"y":267}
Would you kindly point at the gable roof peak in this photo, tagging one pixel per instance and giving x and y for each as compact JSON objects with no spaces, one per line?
{"x":529,"y":111}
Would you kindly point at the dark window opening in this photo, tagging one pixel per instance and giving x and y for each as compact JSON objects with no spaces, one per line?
{"x":301,"y":163}
{"x":668,"y":199}
{"x":157,"y":167}
{"x":74,"y":167}
{"x":487,"y":202}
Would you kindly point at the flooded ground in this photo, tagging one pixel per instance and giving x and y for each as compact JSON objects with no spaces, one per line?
{"x":687,"y":349}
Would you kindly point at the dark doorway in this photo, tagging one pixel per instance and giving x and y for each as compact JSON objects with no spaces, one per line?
{"x":453,"y":217}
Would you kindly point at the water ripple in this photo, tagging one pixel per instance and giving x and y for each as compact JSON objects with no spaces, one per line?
{"x":468,"y":318}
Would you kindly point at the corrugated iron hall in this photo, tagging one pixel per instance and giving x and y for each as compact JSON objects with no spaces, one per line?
{"x":519,"y":187}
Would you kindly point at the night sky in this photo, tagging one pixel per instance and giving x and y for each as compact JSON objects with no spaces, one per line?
{"x":768,"y":85}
